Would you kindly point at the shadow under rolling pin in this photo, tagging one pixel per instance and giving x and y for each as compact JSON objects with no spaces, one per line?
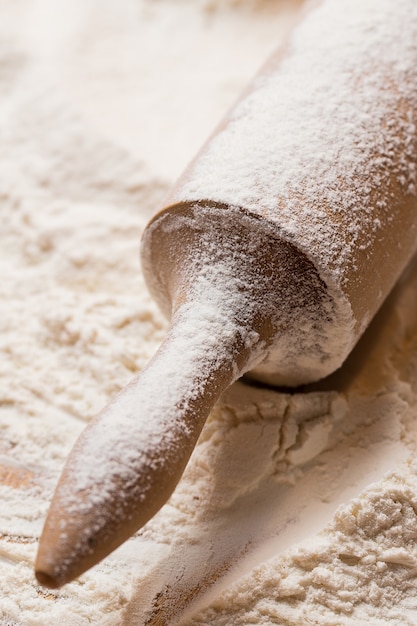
{"x":275,"y":250}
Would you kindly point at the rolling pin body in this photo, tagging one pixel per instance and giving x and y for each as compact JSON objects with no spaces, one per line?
{"x":324,"y":149}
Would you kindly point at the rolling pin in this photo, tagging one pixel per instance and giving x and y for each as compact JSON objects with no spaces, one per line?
{"x":273,"y":253}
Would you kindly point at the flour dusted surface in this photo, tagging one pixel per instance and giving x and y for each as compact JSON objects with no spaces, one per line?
{"x":360,"y":570}
{"x":78,"y":180}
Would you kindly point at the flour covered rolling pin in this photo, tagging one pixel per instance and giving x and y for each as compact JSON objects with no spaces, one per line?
{"x":274,"y":252}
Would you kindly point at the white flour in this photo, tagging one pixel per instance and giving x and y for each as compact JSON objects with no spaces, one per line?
{"x":102,"y":105}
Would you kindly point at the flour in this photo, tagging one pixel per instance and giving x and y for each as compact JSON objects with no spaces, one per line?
{"x":87,"y":155}
{"x":360,"y":570}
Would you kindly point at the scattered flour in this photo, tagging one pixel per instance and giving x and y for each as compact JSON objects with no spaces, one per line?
{"x":359,"y":570}
{"x":286,"y":503}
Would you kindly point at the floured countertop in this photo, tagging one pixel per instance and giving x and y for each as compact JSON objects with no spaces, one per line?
{"x":296,"y":508}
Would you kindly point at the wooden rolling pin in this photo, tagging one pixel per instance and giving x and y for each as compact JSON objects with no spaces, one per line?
{"x":274,"y":252}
